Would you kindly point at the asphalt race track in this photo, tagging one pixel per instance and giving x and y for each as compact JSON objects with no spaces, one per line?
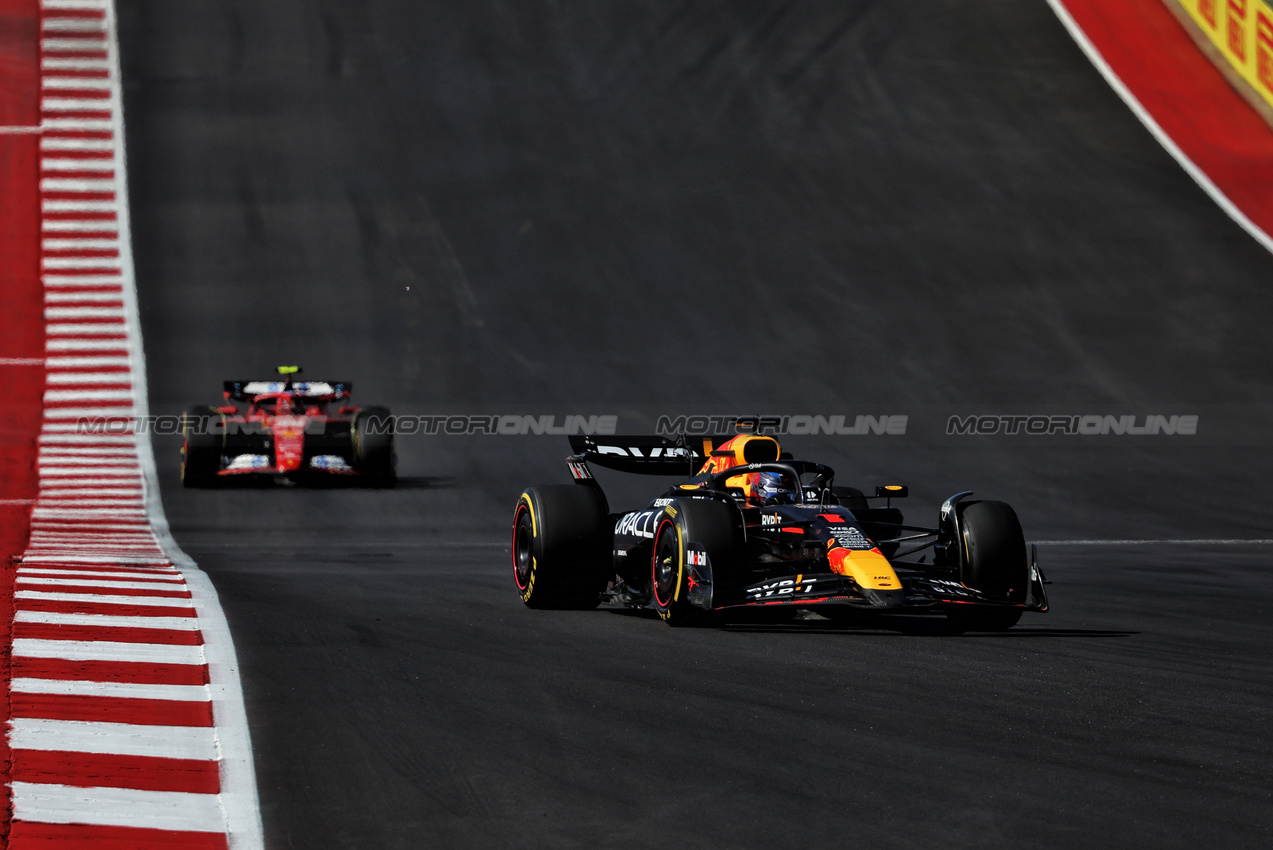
{"x":618,"y":208}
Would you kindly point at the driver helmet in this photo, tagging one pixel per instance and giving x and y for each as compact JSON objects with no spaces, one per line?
{"x":770,"y":489}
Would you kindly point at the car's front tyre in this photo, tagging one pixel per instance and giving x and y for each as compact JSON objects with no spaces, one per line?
{"x":994,"y":561}
{"x":710,"y":524}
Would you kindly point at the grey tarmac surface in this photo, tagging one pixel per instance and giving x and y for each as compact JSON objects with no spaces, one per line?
{"x":918,"y":208}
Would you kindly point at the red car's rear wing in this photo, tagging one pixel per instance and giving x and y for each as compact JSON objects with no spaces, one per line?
{"x":301,"y":390}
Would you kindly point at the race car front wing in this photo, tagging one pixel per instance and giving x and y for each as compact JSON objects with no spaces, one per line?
{"x":920,"y":588}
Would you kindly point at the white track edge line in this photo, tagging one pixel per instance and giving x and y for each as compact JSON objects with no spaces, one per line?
{"x":1199,"y":177}
{"x":239,"y":797}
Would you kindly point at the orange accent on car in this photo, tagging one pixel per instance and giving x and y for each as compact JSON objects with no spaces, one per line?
{"x":742,"y":449}
{"x":868,"y":567}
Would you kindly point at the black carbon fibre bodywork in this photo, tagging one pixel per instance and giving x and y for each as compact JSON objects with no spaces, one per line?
{"x":783,"y":552}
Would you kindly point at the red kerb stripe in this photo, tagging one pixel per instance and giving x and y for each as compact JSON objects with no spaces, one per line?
{"x":137,"y":672}
{"x":75,"y":836}
{"x":117,"y":634}
{"x":93,"y":770}
{"x":70,"y":606}
{"x":46,"y":573}
{"x":20,"y":59}
{"x":74,"y":13}
{"x":107,"y":591}
{"x":144,"y":712}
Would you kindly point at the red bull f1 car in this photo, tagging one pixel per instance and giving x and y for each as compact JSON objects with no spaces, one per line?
{"x":286,"y":429}
{"x":752,"y":527}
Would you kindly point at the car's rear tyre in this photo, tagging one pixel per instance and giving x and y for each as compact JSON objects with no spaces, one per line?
{"x":994,"y":561}
{"x":373,"y":446}
{"x":201,"y":447}
{"x":562,"y":539}
{"x":711,"y":524}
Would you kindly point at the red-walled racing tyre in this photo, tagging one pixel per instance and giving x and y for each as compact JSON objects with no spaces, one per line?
{"x":710,"y":524}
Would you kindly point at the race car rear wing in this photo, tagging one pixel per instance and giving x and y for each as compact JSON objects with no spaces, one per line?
{"x":644,"y":455}
{"x":303,"y":390}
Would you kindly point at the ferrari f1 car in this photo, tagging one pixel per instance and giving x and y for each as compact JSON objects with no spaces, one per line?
{"x":284,"y":429}
{"x":753,"y":527}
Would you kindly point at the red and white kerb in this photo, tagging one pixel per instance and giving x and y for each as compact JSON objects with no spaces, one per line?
{"x":127,"y":716}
